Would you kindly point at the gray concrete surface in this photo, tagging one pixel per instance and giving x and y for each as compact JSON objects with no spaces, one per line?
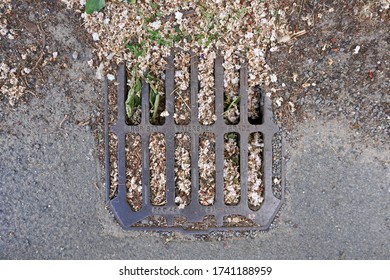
{"x":52,"y":193}
{"x":337,"y":201}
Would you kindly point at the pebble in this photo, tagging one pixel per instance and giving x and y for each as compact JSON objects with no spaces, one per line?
{"x":75,"y":55}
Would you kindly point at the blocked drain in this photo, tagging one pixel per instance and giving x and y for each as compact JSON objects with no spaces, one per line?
{"x":247,"y":210}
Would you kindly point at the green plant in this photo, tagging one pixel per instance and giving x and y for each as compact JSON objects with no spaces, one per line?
{"x":154,"y":96}
{"x":137,"y":49}
{"x":229,"y":103}
{"x":134,"y":95}
{"x":155,"y":35}
{"x":94,"y":6}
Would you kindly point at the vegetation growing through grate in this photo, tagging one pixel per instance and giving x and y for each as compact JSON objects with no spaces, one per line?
{"x":255,"y":106}
{"x":133,"y":98}
{"x":231,"y":67}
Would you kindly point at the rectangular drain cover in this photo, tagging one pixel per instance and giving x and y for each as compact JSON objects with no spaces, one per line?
{"x":194,"y":213}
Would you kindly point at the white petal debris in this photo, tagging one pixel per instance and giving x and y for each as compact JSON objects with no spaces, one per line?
{"x":255,"y":176}
{"x":273,"y":78}
{"x":110,"y":77}
{"x":157,"y":168}
{"x":206,"y":168}
{"x":155,"y":25}
{"x":27,"y":70}
{"x":95,"y":36}
{"x":99,"y":71}
{"x":164,"y":113}
{"x":182,"y":169}
{"x":134,"y":171}
{"x":178,"y":16}
{"x":231,"y":172}
{"x":356,"y":49}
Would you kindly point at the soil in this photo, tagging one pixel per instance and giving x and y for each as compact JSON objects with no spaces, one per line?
{"x":339,"y":67}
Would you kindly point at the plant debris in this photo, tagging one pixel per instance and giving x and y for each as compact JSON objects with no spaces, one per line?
{"x":206,"y":168}
{"x":255,"y":169}
{"x":231,"y":172}
{"x":134,"y":171}
{"x":157,"y":149}
{"x":182,"y":169}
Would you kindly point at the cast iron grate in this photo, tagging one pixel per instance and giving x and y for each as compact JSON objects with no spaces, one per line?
{"x":194,"y":212}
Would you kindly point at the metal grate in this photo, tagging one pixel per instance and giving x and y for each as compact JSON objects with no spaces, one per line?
{"x":194,"y":212}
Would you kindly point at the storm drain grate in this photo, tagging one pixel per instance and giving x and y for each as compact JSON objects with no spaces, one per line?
{"x":260,"y":218}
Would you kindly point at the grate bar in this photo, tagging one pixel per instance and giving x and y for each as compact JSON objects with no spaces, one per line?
{"x":170,"y":139}
{"x":244,"y":168}
{"x":194,"y":170}
{"x":145,"y":171}
{"x":244,"y":94}
{"x":145,"y":103}
{"x":219,"y":139}
{"x":169,"y":88}
{"x":194,"y":87}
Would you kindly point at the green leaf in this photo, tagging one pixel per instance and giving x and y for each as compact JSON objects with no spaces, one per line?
{"x":94,"y":5}
{"x":155,"y":107}
{"x":136,"y":49}
{"x":154,"y":5}
{"x":235,"y":160}
{"x":134,"y":96}
{"x":234,"y":102}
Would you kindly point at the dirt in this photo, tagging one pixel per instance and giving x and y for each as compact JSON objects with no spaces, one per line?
{"x":338,"y":68}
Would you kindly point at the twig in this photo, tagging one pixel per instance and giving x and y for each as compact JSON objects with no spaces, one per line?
{"x":63,"y":120}
{"x":43,"y":45}
{"x":182,"y":99}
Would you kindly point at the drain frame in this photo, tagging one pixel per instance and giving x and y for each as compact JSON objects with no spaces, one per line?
{"x":194,"y":211}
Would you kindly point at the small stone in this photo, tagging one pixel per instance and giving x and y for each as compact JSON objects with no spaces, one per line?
{"x":75,"y":55}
